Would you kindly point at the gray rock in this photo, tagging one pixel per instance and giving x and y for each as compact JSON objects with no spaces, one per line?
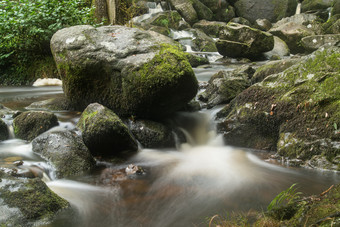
{"x":30,"y":124}
{"x":129,"y":70}
{"x":104,"y":133}
{"x":272,"y":10}
{"x":312,"y":43}
{"x":27,"y":202}
{"x":65,"y":151}
{"x":236,"y":40}
{"x":210,"y":28}
{"x":152,"y":134}
{"x":280,"y":49}
{"x":263,"y":24}
{"x":226,"y":85}
{"x":203,"y":42}
{"x":203,"y":12}
{"x":241,"y":20}
{"x":186,"y":9}
{"x":309,"y":5}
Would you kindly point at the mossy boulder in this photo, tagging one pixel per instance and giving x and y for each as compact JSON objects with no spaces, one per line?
{"x":203,"y":12}
{"x":202,"y":41}
{"x":226,"y":85}
{"x":104,"y":133}
{"x":272,"y":10}
{"x":152,"y":134}
{"x":65,"y":151}
{"x":336,"y":8}
{"x":236,"y":40}
{"x":30,"y":124}
{"x":315,"y":5}
{"x":3,"y":130}
{"x":302,"y":101}
{"x":126,"y":69}
{"x":210,"y":28}
{"x":196,"y":60}
{"x":27,"y":202}
{"x":332,"y":26}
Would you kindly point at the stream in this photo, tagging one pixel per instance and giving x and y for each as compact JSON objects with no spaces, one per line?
{"x":180,"y":187}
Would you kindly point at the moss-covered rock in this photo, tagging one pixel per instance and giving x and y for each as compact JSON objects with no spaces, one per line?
{"x":302,"y":101}
{"x":152,"y":134}
{"x":104,"y":133}
{"x":30,"y":124}
{"x":186,"y":9}
{"x":24,"y":202}
{"x":210,"y":28}
{"x":312,"y":43}
{"x":126,"y":69}
{"x":203,"y":12}
{"x":236,"y":40}
{"x":202,"y":41}
{"x":196,"y":61}
{"x":3,"y":130}
{"x":65,"y":151}
{"x":312,"y":5}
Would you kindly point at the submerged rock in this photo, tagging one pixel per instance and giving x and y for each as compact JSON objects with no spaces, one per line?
{"x":303,"y":100}
{"x":27,"y":202}
{"x":126,"y":69}
{"x":104,"y":133}
{"x":238,"y":40}
{"x":65,"y":151}
{"x":30,"y":124}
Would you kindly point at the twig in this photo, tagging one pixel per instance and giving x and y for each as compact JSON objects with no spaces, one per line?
{"x":325,"y":192}
{"x":337,"y":214}
{"x":211,"y":220}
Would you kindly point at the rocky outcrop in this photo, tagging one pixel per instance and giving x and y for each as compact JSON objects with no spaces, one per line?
{"x":30,"y":124}
{"x":265,"y":9}
{"x":236,"y":40}
{"x":27,"y":202}
{"x":126,"y":69}
{"x":295,"y":112}
{"x":104,"y":133}
{"x":65,"y":151}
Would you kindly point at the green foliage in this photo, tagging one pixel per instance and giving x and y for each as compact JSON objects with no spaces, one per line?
{"x":26,"y":27}
{"x":287,"y":196}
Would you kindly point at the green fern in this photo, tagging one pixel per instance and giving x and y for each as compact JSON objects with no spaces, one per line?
{"x":287,"y":196}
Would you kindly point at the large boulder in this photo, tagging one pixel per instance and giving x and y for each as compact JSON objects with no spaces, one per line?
{"x":312,"y":43}
{"x":237,"y":40}
{"x":210,"y":28}
{"x":295,"y":111}
{"x":65,"y":151}
{"x":203,"y":12}
{"x":27,"y":202}
{"x":30,"y":124}
{"x":226,"y":85}
{"x":202,"y":42}
{"x":272,"y":10}
{"x":293,"y":29}
{"x":104,"y":133}
{"x":126,"y":69}
{"x":3,"y":130}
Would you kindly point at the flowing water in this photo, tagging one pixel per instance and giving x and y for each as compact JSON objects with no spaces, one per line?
{"x":180,"y":187}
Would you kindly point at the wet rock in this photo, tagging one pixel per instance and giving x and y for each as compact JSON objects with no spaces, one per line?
{"x":53,"y":104}
{"x":126,"y":69}
{"x":104,"y":133}
{"x":336,"y":8}
{"x":241,"y":20}
{"x":65,"y":151}
{"x":203,"y":42}
{"x":263,"y":24}
{"x":30,"y":124}
{"x":225,"y":85}
{"x":203,"y":12}
{"x":312,"y":43}
{"x":272,"y":67}
{"x":4,"y":134}
{"x":186,"y":9}
{"x":302,"y":101}
{"x":332,"y":26}
{"x":293,"y":29}
{"x":196,"y":61}
{"x":27,"y":202}
{"x":210,"y":28}
{"x":238,"y":40}
{"x":225,"y":14}
{"x":167,"y":19}
{"x":268,"y":9}
{"x":111,"y":176}
{"x":4,"y":111}
{"x":152,"y":134}
{"x":280,"y":49}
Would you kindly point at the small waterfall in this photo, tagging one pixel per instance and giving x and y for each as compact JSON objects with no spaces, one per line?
{"x":298,"y":8}
{"x":153,"y":9}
